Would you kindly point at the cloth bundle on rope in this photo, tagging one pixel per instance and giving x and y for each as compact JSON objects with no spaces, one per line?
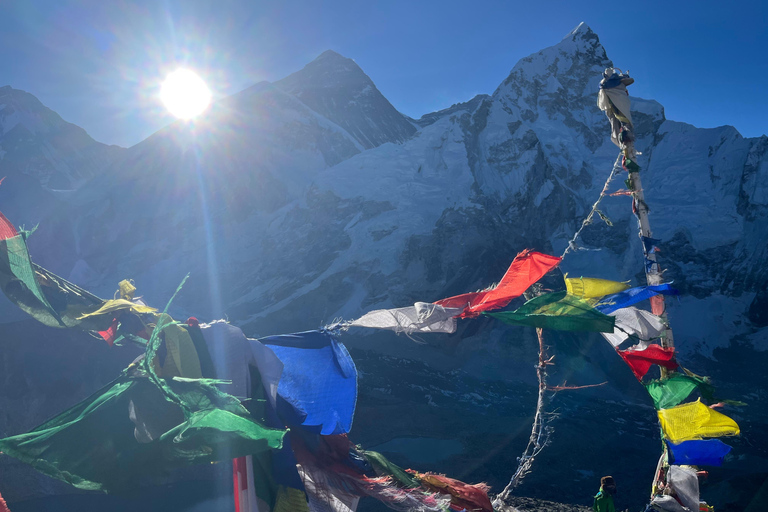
{"x":613,"y":99}
{"x":590,"y":287}
{"x":699,"y":452}
{"x":640,"y":361}
{"x":559,"y":311}
{"x":421,"y":317}
{"x":630,"y":297}
{"x":672,"y":390}
{"x":695,"y":421}
{"x":526,"y":269}
{"x":685,"y":483}
{"x":643,"y":325}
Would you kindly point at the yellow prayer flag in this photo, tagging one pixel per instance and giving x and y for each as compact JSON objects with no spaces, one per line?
{"x":590,"y":287}
{"x":112,"y":306}
{"x":695,"y":421}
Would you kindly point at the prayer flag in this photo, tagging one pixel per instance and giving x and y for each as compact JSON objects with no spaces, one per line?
{"x":634,"y":322}
{"x":640,"y":361}
{"x":632,"y":296}
{"x":318,"y":386}
{"x":671,"y":391}
{"x":699,"y":452}
{"x":527,"y":268}
{"x":695,"y":421}
{"x":421,"y":317}
{"x":589,"y":287}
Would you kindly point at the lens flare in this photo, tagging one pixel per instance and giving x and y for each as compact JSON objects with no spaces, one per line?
{"x":185,"y":94}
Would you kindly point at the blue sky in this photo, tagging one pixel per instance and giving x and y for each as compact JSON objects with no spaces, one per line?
{"x":99,"y":64}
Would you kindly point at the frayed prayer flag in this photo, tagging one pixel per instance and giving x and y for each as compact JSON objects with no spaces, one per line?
{"x":422,"y":317}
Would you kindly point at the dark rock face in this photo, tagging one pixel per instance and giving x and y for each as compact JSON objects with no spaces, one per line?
{"x":290,"y":209}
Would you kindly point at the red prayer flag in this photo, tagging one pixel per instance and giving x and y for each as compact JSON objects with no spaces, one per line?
{"x":657,"y":305}
{"x":3,"y":505}
{"x":640,"y":361}
{"x":527,"y":268}
{"x":109,"y":335}
{"x":6,"y":228}
{"x":240,"y":481}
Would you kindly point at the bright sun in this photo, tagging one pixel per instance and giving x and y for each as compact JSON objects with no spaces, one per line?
{"x":185,"y":94}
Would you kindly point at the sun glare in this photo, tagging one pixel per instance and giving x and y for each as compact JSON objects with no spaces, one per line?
{"x":185,"y":94}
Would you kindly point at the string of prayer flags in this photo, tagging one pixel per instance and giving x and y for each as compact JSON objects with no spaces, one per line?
{"x":694,"y":421}
{"x":590,"y":287}
{"x":677,"y":387}
{"x":527,"y":268}
{"x":640,"y":361}
{"x":699,"y":452}
{"x":632,"y":296}
{"x":559,"y":311}
{"x":421,"y":317}
{"x":634,"y":322}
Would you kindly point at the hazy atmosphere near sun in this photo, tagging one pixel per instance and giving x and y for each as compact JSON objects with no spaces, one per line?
{"x":349,"y":256}
{"x":99,"y":64}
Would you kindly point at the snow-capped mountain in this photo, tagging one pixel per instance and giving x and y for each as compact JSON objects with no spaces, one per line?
{"x":312,"y":198}
{"x":36,"y":142}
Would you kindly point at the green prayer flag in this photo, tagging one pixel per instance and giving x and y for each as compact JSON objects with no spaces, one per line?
{"x":669,"y":392}
{"x":96,"y":445}
{"x":46,"y":297}
{"x":384,"y":467}
{"x":558,"y":311}
{"x":18,"y":281}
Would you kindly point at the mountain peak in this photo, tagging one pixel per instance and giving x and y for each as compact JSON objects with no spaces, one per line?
{"x":582,"y":29}
{"x":335,"y":87}
{"x":330,"y":54}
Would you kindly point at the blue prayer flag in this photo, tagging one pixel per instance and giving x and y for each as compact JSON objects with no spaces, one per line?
{"x":611,"y":303}
{"x":318,"y":387}
{"x":702,"y":452}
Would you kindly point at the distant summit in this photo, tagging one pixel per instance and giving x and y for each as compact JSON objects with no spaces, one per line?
{"x":36,"y":142}
{"x":336,"y":88}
